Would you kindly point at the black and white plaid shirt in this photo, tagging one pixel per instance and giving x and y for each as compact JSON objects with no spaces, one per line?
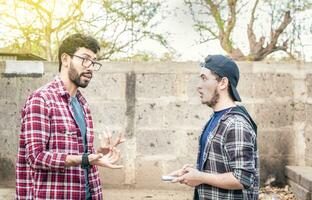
{"x":231,"y":147}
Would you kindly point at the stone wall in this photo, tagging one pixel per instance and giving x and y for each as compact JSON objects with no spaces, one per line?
{"x":157,"y":106}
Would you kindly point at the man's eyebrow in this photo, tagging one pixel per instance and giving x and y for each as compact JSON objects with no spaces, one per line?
{"x":94,"y":58}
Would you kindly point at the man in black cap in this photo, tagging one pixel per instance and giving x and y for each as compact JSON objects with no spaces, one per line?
{"x":227,"y":161}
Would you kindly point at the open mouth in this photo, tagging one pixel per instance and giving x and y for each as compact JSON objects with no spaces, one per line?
{"x":87,"y":75}
{"x":200,"y":94}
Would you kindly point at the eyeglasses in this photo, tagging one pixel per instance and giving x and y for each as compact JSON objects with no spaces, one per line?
{"x":88,"y":63}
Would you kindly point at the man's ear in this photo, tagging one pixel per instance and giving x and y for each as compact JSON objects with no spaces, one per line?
{"x":224,"y":83}
{"x":65,"y":59}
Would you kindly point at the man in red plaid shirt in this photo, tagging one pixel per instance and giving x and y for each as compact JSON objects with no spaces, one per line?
{"x":56,"y":158}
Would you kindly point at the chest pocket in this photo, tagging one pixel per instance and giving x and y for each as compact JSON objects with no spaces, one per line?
{"x":64,"y":138}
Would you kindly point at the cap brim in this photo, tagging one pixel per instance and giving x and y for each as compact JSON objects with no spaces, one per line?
{"x":235,"y":93}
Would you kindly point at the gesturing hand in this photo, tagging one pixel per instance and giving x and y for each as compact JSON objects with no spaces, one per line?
{"x":107,"y":143}
{"x":108,"y":160}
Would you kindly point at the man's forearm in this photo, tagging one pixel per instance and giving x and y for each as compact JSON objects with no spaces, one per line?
{"x":76,"y":160}
{"x":224,"y":180}
{"x":73,"y":160}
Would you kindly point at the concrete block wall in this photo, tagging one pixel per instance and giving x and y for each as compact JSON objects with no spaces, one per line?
{"x":300,"y":180}
{"x":157,"y":106}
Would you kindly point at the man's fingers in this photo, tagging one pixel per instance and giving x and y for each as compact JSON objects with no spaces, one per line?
{"x":105,"y":139}
{"x":174,"y":173}
{"x":113,"y":161}
{"x":107,"y":135}
{"x":178,"y":179}
{"x":114,"y":166}
{"x":109,"y":154}
{"x":104,"y":162}
{"x":188,"y":169}
{"x":181,"y":171}
{"x":119,"y":140}
{"x":187,"y":166}
{"x":109,"y":139}
{"x":115,"y":157}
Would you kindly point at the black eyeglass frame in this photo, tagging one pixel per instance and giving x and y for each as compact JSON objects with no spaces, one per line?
{"x":95,"y":65}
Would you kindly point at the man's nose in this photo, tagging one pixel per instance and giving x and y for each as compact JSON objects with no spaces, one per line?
{"x":198,"y":86}
{"x":89,"y":70}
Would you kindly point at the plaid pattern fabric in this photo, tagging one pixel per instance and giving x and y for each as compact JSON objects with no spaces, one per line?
{"x":48,"y":134}
{"x":231,"y":147}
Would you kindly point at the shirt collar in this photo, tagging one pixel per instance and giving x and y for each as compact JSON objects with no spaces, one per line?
{"x":63,"y":92}
{"x":60,"y":86}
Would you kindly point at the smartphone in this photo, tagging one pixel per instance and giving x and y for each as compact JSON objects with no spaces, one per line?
{"x":168,"y":178}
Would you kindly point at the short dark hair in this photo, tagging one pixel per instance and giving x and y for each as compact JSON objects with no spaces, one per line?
{"x":73,"y":42}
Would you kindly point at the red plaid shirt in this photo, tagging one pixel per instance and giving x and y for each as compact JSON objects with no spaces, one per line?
{"x":48,"y":134}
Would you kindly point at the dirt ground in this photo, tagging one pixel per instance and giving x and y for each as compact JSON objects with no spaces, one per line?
{"x":267,"y":193}
{"x":276,"y":193}
{"x":124,"y":194}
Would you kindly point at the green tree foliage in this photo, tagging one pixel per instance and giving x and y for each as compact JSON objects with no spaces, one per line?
{"x":35,"y":26}
{"x":38,"y":26}
{"x":123,"y":24}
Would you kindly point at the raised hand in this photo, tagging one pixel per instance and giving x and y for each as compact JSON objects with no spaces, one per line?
{"x":107,"y":143}
{"x":119,"y":140}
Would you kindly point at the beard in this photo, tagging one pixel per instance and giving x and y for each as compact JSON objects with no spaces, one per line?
{"x":214,"y":99}
{"x":75,"y":77}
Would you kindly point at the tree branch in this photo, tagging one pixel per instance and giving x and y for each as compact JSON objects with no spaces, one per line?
{"x":216,"y":15}
{"x":231,"y":18}
{"x":254,"y":46}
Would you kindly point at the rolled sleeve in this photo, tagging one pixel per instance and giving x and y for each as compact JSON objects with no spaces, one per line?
{"x":244,"y":177}
{"x":36,"y":131}
{"x":240,"y":147}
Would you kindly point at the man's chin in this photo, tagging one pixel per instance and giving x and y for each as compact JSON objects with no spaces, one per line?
{"x":207,"y":103}
{"x":203,"y":101}
{"x":82,"y":84}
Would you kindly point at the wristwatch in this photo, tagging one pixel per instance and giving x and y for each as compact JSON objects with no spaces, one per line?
{"x":85,"y":161}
